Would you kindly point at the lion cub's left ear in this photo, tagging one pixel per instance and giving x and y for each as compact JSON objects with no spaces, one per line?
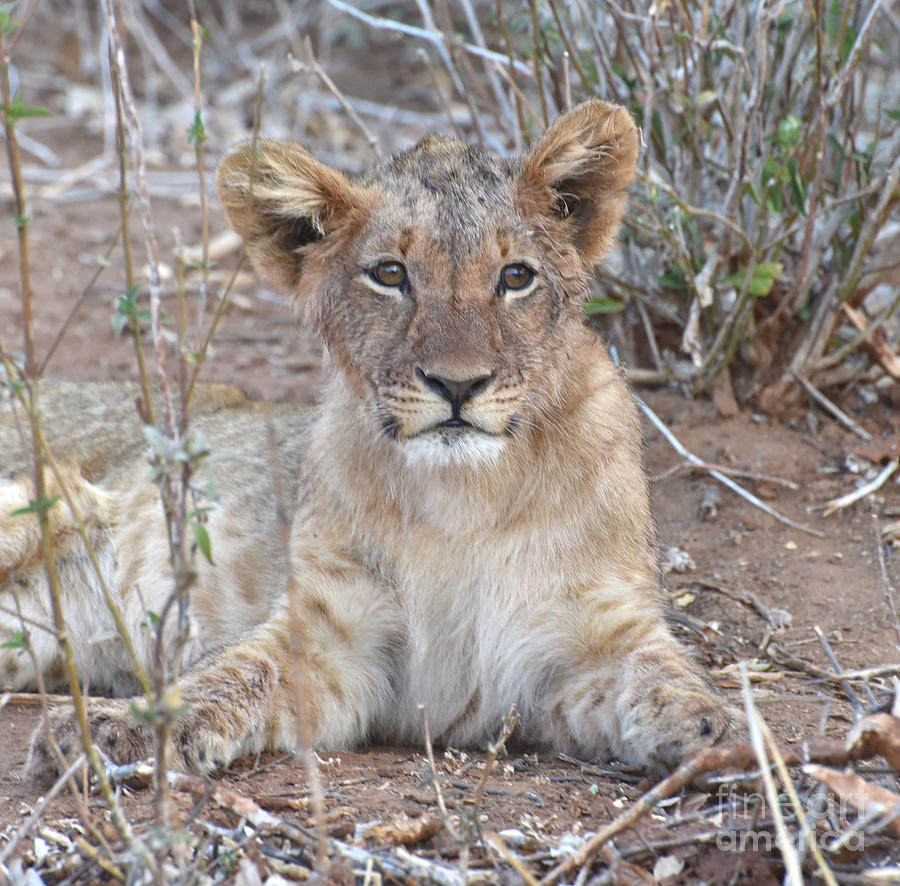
{"x":279,"y":198}
{"x":579,"y":171}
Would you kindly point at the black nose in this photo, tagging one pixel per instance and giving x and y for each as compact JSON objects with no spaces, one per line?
{"x":455,"y":392}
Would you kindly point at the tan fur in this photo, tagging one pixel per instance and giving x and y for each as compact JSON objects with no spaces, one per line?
{"x":471,"y":526}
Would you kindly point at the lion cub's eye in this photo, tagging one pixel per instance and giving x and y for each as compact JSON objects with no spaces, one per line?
{"x":389,"y":273}
{"x":516,"y":278}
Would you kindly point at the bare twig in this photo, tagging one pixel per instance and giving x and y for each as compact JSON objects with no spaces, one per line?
{"x":349,"y":110}
{"x":873,"y":485}
{"x":510,"y":721}
{"x":693,"y":459}
{"x":886,"y":585}
{"x":852,"y":697}
{"x":794,"y":872}
{"x":433,"y":37}
{"x":826,"y":404}
{"x":723,"y":469}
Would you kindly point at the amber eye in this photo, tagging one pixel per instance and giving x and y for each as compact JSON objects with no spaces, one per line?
{"x":389,"y":273}
{"x":515,"y":278}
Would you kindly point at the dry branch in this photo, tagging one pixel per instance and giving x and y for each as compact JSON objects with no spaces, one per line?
{"x":726,"y":481}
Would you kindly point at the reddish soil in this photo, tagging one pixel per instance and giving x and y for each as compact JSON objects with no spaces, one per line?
{"x":833,"y":582}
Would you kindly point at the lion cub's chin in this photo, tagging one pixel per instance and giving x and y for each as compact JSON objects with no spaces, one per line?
{"x":453,"y":447}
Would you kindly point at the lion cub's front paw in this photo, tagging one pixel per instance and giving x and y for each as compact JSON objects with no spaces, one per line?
{"x":201,"y":743}
{"x":672,"y":723}
{"x":113,"y":732}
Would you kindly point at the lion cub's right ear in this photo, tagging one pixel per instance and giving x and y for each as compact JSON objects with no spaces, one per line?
{"x":280,"y":199}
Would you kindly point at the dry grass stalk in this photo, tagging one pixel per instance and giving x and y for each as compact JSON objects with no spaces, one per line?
{"x":794,"y":872}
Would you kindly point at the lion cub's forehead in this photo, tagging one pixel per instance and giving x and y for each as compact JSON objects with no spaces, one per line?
{"x":464,"y":191}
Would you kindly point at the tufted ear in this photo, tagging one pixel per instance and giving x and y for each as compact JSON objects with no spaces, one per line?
{"x":578,"y":171}
{"x":280,"y":199}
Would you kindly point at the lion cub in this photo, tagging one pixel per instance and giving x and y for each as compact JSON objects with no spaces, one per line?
{"x":471,"y":525}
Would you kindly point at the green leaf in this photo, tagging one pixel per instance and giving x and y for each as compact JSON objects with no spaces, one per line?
{"x":754,"y":194}
{"x":7,"y":24}
{"x":18,"y":109}
{"x":789,"y":131}
{"x":37,"y":506}
{"x":603,"y":306}
{"x":15,"y":641}
{"x":197,"y":134}
{"x":201,"y":536}
{"x":762,"y":279}
{"x":893,"y":113}
{"x":126,"y":310}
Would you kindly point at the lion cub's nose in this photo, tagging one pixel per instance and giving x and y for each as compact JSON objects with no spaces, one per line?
{"x":455,"y":391}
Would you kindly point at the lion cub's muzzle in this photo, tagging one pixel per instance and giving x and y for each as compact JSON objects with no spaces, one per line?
{"x":442,"y":417}
{"x":456,"y":392}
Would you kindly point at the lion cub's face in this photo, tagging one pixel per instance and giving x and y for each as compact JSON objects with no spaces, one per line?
{"x":447,"y":282}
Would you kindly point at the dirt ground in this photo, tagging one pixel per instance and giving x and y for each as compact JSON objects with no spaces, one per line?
{"x":740,"y":563}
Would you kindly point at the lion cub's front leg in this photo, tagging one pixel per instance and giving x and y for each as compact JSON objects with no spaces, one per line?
{"x":634,"y":693}
{"x":336,"y":631}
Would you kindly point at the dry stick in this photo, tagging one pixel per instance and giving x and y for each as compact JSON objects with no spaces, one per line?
{"x":693,"y":459}
{"x":725,"y":469}
{"x":816,"y":340}
{"x":433,"y":37}
{"x":510,"y":76}
{"x":536,"y":59}
{"x":808,"y":832}
{"x":441,"y":43}
{"x":510,"y":721}
{"x":199,"y":136}
{"x":852,"y":697}
{"x":848,"y":67}
{"x":173,"y":490}
{"x":794,"y":872}
{"x":220,"y":311}
{"x":102,"y":265}
{"x":21,"y":220}
{"x":872,"y":486}
{"x":861,"y":338}
{"x":94,"y":854}
{"x":124,"y":200}
{"x":885,"y":581}
{"x":133,"y":124}
{"x":497,"y":842}
{"x":500,"y":96}
{"x":439,"y":92}
{"x":226,"y":295}
{"x":569,"y":51}
{"x":522,"y":102}
{"x":828,"y":406}
{"x":266,"y":823}
{"x":439,"y":794}
{"x":329,"y":84}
